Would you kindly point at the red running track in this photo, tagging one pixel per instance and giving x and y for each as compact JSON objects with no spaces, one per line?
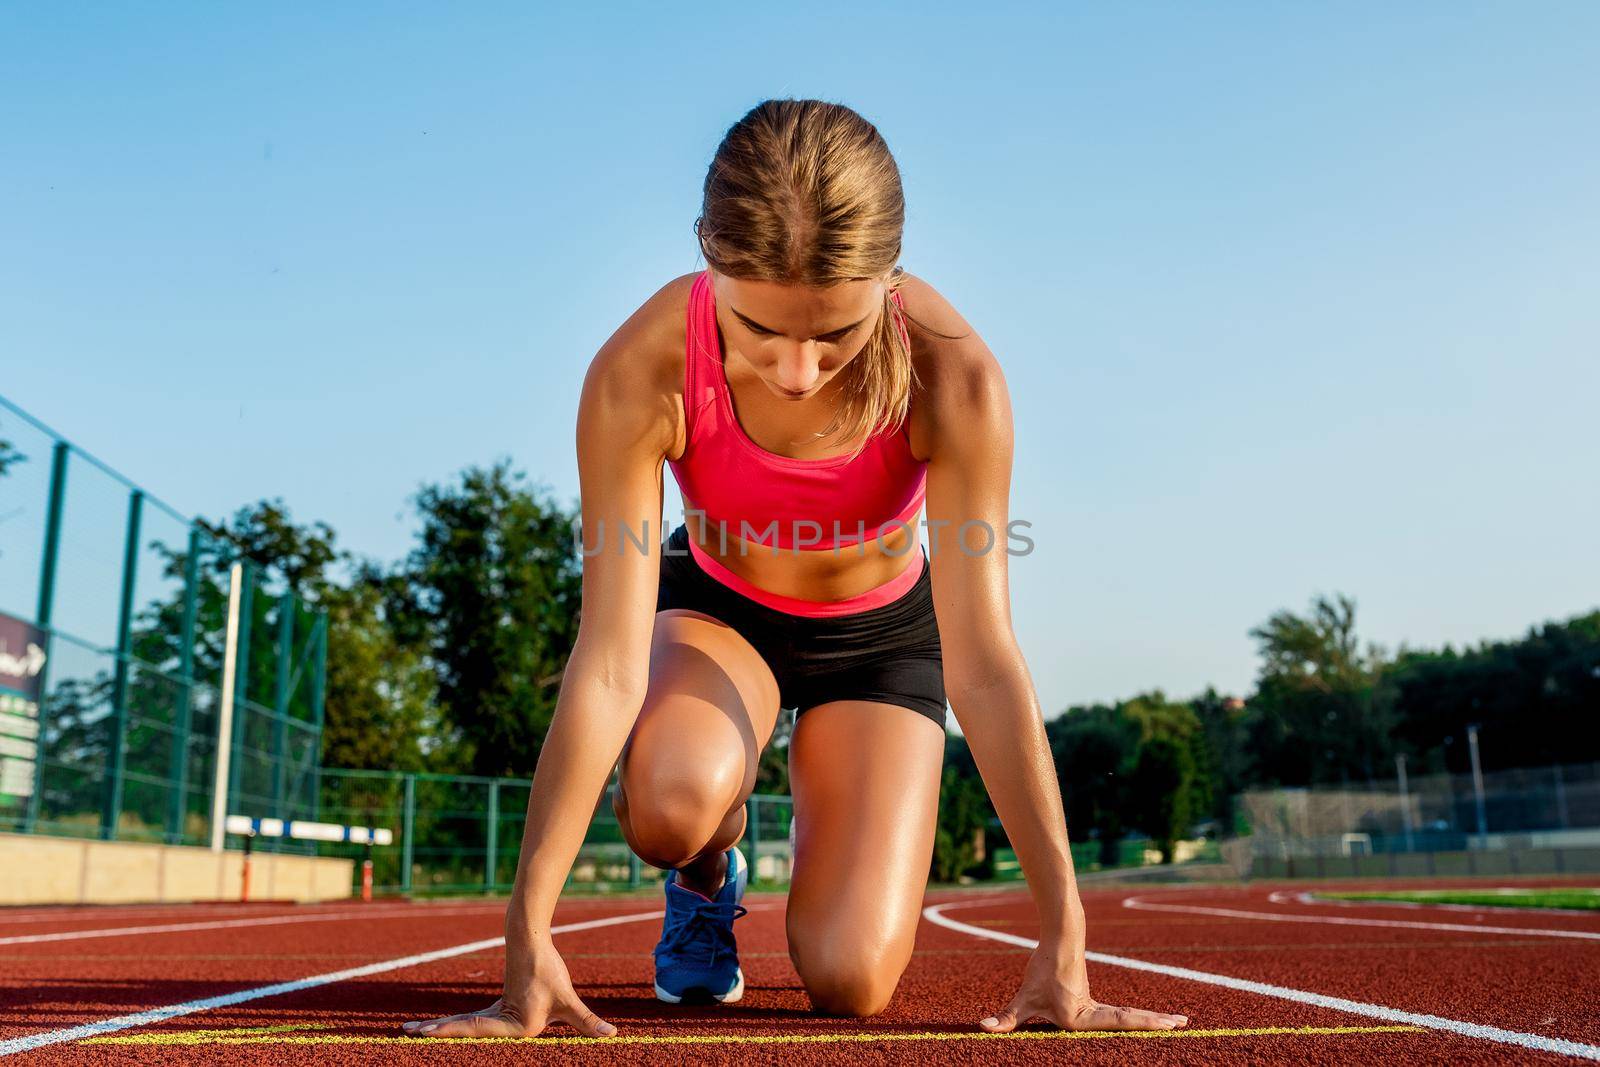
{"x":1534,"y":978}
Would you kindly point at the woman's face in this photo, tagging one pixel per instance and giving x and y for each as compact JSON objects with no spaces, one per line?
{"x":797,"y":338}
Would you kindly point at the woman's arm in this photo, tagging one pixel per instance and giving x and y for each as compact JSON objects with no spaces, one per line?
{"x":626,"y":426}
{"x":624,"y":432}
{"x":969,"y":483}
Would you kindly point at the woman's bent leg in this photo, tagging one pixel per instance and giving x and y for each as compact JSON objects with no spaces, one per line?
{"x":691,"y":760}
{"x":865,"y":778}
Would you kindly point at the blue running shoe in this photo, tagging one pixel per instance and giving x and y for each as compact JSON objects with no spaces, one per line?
{"x":698,"y":959}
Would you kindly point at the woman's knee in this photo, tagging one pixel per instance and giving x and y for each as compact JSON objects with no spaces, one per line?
{"x":852,"y":981}
{"x":691,"y":758}
{"x":670,"y":812}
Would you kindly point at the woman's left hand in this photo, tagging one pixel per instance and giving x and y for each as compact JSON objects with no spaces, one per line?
{"x":1056,"y":987}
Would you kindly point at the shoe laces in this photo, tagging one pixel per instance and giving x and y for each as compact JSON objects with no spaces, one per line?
{"x":703,"y":930}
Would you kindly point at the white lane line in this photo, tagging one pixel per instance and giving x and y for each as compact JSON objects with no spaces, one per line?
{"x":156,"y":1015}
{"x":229,"y":924}
{"x":237,"y":911}
{"x":1355,"y":1007}
{"x":118,"y":911}
{"x":1311,"y":897}
{"x":111,"y":912}
{"x":1334,"y":920}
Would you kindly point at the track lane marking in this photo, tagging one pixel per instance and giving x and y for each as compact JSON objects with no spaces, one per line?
{"x":118,"y":911}
{"x":155,"y":1015}
{"x":1335,"y":920}
{"x":286,"y":1036}
{"x":1310,"y":897}
{"x":223,"y":909}
{"x":229,"y":924}
{"x":1561,"y":1046}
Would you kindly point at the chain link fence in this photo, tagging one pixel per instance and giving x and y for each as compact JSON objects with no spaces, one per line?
{"x":1556,"y":807}
{"x":113,"y":610}
{"x":456,"y":834}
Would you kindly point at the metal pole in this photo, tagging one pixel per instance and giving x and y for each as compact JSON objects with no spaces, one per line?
{"x":1561,"y":798}
{"x":319,"y":682}
{"x":47,"y":600}
{"x":1477,"y":785}
{"x":1405,"y":801}
{"x":111,"y":806}
{"x":280,"y":723}
{"x":408,"y":821}
{"x":493,"y":839}
{"x":183,"y":713}
{"x":489,"y":841}
{"x":753,"y":830}
{"x":230,"y":657}
{"x":52,"y":531}
{"x":241,"y":682}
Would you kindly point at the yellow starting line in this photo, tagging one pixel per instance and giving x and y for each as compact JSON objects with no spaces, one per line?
{"x":293,"y":1035}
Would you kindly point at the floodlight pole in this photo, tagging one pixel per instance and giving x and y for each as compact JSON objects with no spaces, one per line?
{"x":219,"y":792}
{"x":1405,"y":800}
{"x":1477,"y":786}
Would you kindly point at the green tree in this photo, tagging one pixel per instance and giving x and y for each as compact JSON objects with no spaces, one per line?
{"x":963,"y":813}
{"x":1161,"y":719}
{"x":1534,"y":699}
{"x":772,"y":769}
{"x":1224,"y":738}
{"x":378,"y":706}
{"x":381,"y":707}
{"x":1316,"y":716}
{"x":1161,"y":791}
{"x":379,"y":689}
{"x":1140,"y":765}
{"x":1170,"y":785}
{"x":493,"y":587}
{"x":307,"y":558}
{"x":1094,"y":748}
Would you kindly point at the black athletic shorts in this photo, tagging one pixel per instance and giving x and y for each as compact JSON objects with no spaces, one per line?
{"x":889,"y":654}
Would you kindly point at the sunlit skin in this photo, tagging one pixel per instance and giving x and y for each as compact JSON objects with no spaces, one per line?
{"x":793,"y":339}
{"x":683,"y":705}
{"x":784,"y":347}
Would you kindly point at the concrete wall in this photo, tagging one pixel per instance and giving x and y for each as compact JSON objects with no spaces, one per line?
{"x":1542,"y":861}
{"x":1161,"y":872}
{"x":64,"y":870}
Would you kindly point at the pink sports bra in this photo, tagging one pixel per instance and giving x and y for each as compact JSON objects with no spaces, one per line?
{"x":782,"y":502}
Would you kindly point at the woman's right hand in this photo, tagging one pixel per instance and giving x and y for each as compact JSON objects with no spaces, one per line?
{"x":538,"y":991}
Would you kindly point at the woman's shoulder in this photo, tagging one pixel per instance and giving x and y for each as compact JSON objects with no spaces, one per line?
{"x":651,"y":339}
{"x":639,"y":369}
{"x":955,"y":370}
{"x":646,"y":352}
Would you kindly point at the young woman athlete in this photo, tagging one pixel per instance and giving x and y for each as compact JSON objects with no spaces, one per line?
{"x":807,"y":426}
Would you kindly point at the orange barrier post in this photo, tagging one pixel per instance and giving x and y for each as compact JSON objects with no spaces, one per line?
{"x":247,"y":827}
{"x":244,"y":875}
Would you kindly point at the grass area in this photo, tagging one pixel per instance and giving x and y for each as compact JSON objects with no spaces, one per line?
{"x":1579,"y":899}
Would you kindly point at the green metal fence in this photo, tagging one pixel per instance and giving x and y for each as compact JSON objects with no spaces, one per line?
{"x":109,"y":729}
{"x":457,"y":834}
{"x":1515,"y":808}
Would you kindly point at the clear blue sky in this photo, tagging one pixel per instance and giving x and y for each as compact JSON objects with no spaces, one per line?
{"x":1291,"y":298}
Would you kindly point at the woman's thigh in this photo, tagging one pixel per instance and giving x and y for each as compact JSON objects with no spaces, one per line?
{"x":691,"y":759}
{"x":865,"y":779}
